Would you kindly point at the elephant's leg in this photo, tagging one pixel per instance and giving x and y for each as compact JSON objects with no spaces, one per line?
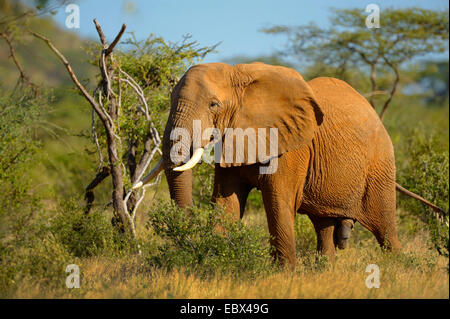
{"x":230,"y":192}
{"x":379,"y":214}
{"x":384,"y":229}
{"x":280,"y":220}
{"x":342,"y":232}
{"x":325,"y":227}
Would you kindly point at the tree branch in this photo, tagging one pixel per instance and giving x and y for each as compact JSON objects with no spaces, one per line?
{"x":116,"y":40}
{"x":83,"y":90}
{"x":95,"y":138}
{"x":22,"y":76}
{"x":89,"y":196}
{"x":373,"y":75}
{"x":393,"y":88}
{"x":378,"y":92}
{"x":100,"y":34}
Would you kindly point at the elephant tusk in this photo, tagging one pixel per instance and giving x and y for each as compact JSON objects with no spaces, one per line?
{"x":192,"y":162}
{"x":154,"y":172}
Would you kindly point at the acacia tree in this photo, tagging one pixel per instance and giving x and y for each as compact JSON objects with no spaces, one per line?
{"x":404,"y":34}
{"x":129,"y":107}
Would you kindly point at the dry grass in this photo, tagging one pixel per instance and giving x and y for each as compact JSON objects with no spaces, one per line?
{"x":343,"y":279}
{"x":417,"y":272}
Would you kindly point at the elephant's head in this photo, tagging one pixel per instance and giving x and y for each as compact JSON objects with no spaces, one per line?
{"x":255,"y":96}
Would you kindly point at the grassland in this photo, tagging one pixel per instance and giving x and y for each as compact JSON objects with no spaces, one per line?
{"x":416,"y":272}
{"x":39,"y":235}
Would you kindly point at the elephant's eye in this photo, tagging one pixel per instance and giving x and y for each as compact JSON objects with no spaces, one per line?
{"x":214,"y":104}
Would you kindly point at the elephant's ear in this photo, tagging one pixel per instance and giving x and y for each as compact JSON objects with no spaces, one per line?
{"x":272,"y":97}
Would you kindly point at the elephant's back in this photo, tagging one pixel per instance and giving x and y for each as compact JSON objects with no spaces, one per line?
{"x":347,"y":113}
{"x":337,"y":97}
{"x":349,"y":144}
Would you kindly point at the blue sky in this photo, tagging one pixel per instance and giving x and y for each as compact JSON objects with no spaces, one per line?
{"x":234,"y":22}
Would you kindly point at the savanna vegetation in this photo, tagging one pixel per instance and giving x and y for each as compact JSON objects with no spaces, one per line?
{"x":53,"y":146}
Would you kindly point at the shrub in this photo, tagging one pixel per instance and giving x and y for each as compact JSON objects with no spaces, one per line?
{"x":426,"y":172}
{"x":24,"y":253}
{"x":19,"y":114}
{"x":41,"y":262}
{"x":85,"y":235}
{"x":206,"y":240}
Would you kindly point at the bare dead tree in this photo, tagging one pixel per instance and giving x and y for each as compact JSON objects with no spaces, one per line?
{"x":106,"y":102}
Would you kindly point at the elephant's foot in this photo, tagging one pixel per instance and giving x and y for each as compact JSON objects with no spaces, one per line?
{"x":342,"y":232}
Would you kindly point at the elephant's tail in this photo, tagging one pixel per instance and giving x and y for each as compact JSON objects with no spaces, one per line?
{"x":403,"y":190}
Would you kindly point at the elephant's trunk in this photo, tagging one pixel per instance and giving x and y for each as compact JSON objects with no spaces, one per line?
{"x":180,"y":183}
{"x":180,"y":187}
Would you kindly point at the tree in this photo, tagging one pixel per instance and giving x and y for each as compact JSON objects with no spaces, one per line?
{"x":128,"y":110}
{"x":404,"y":35}
{"x":432,"y":76}
{"x":14,"y":19}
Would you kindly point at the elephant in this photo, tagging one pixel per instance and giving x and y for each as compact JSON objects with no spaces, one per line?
{"x":335,"y":160}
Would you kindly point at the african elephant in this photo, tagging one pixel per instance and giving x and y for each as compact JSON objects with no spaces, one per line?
{"x":335,"y":160}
